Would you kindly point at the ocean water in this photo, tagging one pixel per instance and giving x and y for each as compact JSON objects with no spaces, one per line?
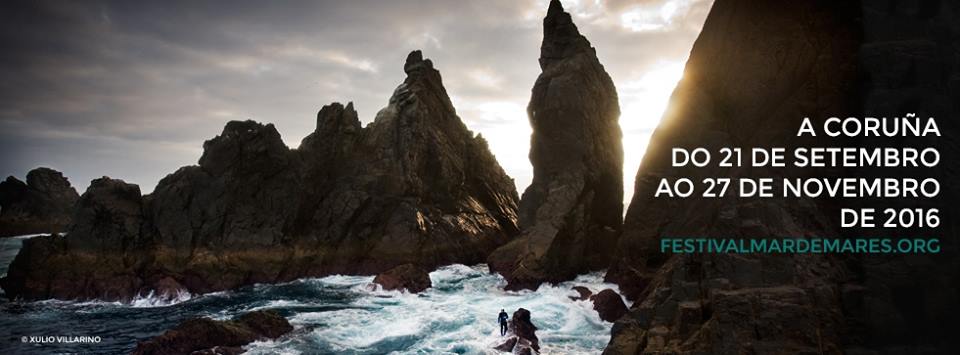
{"x":330,"y":315}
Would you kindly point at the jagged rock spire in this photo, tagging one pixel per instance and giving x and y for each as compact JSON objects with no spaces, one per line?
{"x":415,"y":61}
{"x":570,"y":215}
{"x":335,"y":118}
{"x":561,"y":39}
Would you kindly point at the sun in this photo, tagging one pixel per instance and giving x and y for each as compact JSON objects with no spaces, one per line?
{"x":643,"y":101}
{"x":643,"y":98}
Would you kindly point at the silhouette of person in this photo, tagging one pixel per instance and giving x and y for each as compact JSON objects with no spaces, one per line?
{"x":502,"y":319}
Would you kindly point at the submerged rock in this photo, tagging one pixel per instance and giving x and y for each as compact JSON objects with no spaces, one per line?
{"x":415,"y":186}
{"x":404,"y":277}
{"x":43,"y":204}
{"x":208,"y":336}
{"x":570,"y":216}
{"x":523,"y":335}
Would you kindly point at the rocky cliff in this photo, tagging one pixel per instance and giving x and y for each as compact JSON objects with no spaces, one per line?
{"x":570,"y":215}
{"x":755,"y":71}
{"x":908,"y":62}
{"x":43,"y":204}
{"x":415,"y":186}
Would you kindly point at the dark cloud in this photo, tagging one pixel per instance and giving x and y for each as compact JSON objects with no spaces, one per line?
{"x":131,"y":89}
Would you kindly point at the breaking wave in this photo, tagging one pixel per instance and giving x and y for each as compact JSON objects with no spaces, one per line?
{"x":335,"y":314}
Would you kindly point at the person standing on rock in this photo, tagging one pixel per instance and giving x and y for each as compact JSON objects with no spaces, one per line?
{"x":502,"y":319}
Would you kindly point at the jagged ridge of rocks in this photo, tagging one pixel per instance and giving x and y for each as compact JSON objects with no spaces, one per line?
{"x":570,"y":216}
{"x":755,"y":71}
{"x":415,"y":186}
{"x":43,"y":204}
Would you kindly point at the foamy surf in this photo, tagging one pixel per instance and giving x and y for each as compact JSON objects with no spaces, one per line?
{"x":457,"y":315}
{"x":164,"y":300}
{"x":339,"y":315}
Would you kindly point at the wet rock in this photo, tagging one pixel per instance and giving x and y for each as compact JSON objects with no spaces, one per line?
{"x":584,"y":293}
{"x":404,"y":277}
{"x":208,"y":336}
{"x":508,"y":345}
{"x":415,"y":186}
{"x":41,"y":205}
{"x":570,"y":216}
{"x":608,"y":305}
{"x":522,"y":335}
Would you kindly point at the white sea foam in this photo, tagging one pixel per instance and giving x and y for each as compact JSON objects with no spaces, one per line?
{"x":164,"y":300}
{"x":347,"y":314}
{"x":457,"y":315}
{"x":28,"y":236}
{"x":139,"y":301}
{"x":270,"y":347}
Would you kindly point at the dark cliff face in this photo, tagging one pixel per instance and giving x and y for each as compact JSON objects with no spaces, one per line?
{"x":570,"y":215}
{"x":747,"y":83}
{"x":754,"y":72}
{"x":41,"y":205}
{"x":413,"y":187}
{"x":908,"y":62}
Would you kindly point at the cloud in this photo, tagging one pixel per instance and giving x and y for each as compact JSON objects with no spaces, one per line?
{"x":132,"y":89}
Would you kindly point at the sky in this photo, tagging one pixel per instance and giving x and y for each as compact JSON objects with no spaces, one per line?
{"x":132,"y":89}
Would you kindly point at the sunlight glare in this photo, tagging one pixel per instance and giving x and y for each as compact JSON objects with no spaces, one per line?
{"x":642,"y":103}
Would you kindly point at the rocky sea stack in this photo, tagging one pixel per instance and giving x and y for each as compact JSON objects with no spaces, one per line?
{"x":43,"y":204}
{"x":415,"y":186}
{"x":570,"y":216}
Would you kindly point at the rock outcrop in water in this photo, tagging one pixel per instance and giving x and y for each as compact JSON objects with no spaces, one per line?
{"x":756,"y":70}
{"x":404,"y":277}
{"x":41,"y":205}
{"x":415,"y":186}
{"x":609,"y":305}
{"x":583,"y":293}
{"x":208,"y":336}
{"x":523,"y":335}
{"x":570,"y":216}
